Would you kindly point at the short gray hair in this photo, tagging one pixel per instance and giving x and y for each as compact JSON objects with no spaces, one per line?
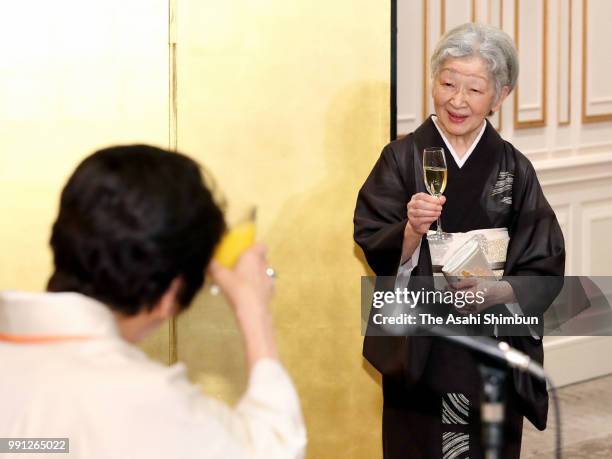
{"x":492,"y":44}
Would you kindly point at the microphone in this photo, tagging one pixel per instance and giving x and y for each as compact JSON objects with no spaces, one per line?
{"x":499,"y":350}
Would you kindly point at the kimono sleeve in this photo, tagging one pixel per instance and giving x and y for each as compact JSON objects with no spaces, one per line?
{"x":380,"y":213}
{"x":536,"y":246}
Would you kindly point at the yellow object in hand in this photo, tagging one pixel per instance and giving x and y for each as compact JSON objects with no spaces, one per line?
{"x":234,"y":243}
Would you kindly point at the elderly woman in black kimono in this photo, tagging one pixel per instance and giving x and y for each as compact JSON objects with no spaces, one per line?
{"x":490,"y":185}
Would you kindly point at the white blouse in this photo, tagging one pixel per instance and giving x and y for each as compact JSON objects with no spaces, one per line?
{"x":112,"y":401}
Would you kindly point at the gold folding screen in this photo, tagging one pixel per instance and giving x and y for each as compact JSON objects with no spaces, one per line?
{"x":287,"y":104}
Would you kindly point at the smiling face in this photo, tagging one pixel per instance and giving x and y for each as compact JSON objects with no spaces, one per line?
{"x":463,"y":95}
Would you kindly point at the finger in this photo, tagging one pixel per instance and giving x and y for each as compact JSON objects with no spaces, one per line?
{"x":427,"y":202}
{"x":466,"y":283}
{"x":219,"y":273}
{"x":419,"y":221}
{"x":427,"y":205}
{"x":442,"y":199}
{"x":422,"y":197}
{"x":421,"y":212}
{"x":424,"y":213}
{"x":259,"y":249}
{"x":256,"y":253}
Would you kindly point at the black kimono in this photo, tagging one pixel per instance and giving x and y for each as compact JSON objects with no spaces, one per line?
{"x":496,"y":187}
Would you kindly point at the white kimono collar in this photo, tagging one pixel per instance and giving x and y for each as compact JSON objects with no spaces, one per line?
{"x":459,"y":161}
{"x":65,"y":314}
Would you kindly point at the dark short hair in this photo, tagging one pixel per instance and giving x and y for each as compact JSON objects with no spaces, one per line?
{"x":131,"y":219}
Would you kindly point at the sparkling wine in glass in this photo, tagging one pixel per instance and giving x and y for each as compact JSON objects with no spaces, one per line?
{"x":435,"y":175}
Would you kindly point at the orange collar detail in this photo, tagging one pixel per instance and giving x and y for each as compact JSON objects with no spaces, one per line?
{"x":34,"y":339}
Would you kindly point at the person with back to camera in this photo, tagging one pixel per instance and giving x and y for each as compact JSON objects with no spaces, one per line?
{"x":431,"y":388}
{"x":136,"y":231}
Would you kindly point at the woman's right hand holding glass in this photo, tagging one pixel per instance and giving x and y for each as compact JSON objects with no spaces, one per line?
{"x":422,"y":210}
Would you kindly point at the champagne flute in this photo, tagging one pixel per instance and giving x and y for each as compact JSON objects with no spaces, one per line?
{"x":435,"y":174}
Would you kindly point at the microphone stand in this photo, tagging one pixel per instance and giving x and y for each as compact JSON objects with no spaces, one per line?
{"x":494,"y":380}
{"x":492,"y":410}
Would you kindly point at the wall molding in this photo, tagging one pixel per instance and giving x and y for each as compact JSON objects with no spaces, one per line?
{"x":405,"y":124}
{"x":586,"y":118}
{"x":582,"y":168}
{"x":410,"y":117}
{"x":561,"y":120}
{"x":540,"y":122}
{"x":601,"y":101}
{"x":443,"y":28}
{"x":592,"y":211}
{"x":565,"y":358}
{"x":596,"y":149}
{"x":425,"y":58}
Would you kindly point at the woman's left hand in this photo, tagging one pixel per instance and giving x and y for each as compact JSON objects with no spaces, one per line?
{"x":490,"y":291}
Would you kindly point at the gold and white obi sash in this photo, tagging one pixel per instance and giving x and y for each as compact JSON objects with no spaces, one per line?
{"x":493,"y":242}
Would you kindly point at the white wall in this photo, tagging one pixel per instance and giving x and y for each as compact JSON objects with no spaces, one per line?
{"x":560,"y":117}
